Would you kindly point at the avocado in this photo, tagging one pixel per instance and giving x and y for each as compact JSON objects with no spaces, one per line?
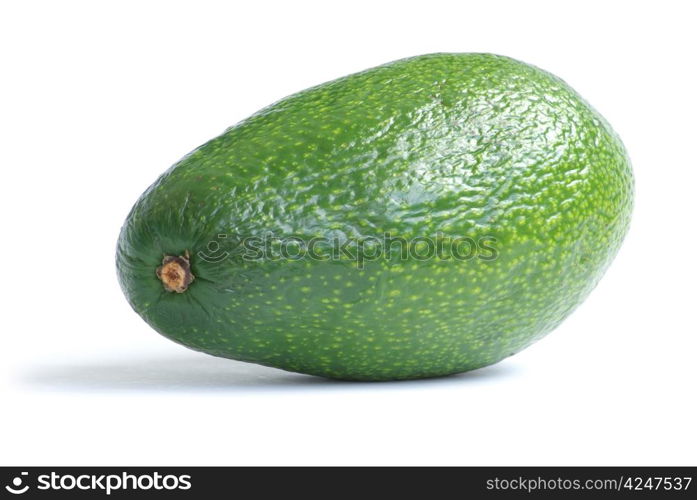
{"x":426,"y":217}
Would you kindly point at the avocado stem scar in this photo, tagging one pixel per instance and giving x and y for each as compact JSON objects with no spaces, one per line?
{"x":175,"y":273}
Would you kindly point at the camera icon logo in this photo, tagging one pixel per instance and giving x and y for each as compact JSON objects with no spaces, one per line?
{"x":16,"y":488}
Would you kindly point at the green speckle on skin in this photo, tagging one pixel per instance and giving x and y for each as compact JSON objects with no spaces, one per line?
{"x":447,"y":145}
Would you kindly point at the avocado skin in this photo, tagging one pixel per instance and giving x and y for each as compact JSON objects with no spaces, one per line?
{"x":456,"y":144}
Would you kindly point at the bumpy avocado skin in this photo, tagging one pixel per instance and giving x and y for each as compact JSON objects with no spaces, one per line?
{"x":459,"y":145}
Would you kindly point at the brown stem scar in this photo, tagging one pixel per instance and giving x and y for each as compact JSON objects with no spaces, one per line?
{"x":175,"y":273}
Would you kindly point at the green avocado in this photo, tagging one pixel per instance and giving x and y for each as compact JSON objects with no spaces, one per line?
{"x":426,"y":217}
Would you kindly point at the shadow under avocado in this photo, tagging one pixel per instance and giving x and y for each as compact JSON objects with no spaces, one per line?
{"x":206,"y":373}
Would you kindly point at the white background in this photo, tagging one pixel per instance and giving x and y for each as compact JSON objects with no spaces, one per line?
{"x":97,"y":99}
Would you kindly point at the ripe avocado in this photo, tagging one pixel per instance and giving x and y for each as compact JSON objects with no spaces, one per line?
{"x":456,"y":151}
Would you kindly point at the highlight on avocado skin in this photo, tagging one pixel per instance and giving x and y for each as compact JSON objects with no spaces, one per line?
{"x":461,"y":206}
